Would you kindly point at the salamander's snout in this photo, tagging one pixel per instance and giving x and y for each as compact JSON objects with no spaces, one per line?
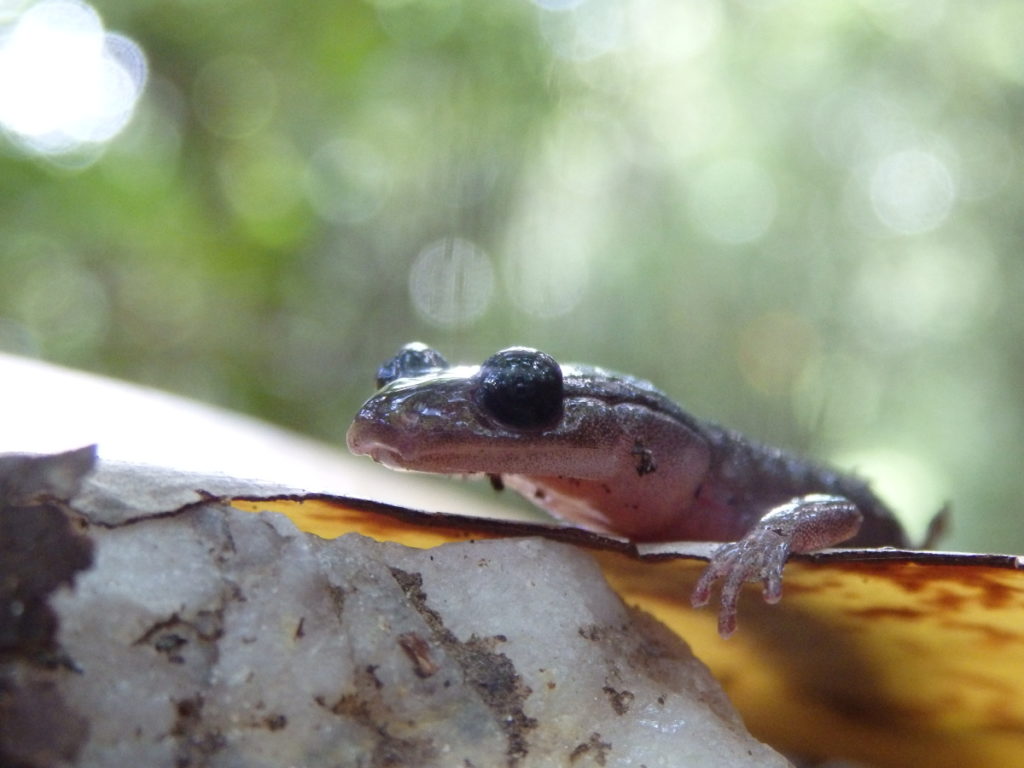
{"x":368,"y":438}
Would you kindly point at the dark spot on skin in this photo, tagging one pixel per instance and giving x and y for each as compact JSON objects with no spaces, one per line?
{"x":645,"y":463}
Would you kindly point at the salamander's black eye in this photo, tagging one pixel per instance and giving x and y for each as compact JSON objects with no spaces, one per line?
{"x":521,"y":388}
{"x":415,"y":359}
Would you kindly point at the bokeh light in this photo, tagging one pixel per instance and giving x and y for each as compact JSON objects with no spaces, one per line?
{"x":585,"y":30}
{"x":671,"y":34}
{"x":912,"y":191}
{"x":548,"y":256}
{"x":917,"y":294}
{"x":451,"y":282}
{"x":263,"y":183}
{"x":347,"y":181}
{"x":734,"y":201}
{"x":65,"y":83}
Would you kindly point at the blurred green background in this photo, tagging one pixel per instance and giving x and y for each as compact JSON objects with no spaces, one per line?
{"x":800,"y":219}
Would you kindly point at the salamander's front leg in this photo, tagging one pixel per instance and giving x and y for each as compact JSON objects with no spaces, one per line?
{"x":803,"y":524}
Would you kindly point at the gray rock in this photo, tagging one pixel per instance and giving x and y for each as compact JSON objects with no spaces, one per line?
{"x":203,"y":635}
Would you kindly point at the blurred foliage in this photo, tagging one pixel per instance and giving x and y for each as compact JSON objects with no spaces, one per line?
{"x":801,"y":219}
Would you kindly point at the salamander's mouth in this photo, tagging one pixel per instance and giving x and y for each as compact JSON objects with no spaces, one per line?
{"x":396,"y":450}
{"x":387,"y":456}
{"x":415,"y":459}
{"x":363,"y":441}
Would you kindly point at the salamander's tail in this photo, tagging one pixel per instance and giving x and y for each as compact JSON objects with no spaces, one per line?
{"x":938,"y":527}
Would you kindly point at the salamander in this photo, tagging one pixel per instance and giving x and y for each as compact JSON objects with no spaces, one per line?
{"x":611,"y":453}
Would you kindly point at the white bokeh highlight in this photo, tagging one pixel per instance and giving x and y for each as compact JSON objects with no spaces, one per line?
{"x":585,"y":30}
{"x":912,"y":191}
{"x":451,"y":282}
{"x":734,"y":201}
{"x":66,"y":83}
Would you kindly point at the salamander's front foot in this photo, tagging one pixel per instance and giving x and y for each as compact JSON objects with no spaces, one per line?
{"x":801,"y":525}
{"x":758,"y":556}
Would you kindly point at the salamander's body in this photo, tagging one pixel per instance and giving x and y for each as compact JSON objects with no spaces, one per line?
{"x":612,"y":453}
